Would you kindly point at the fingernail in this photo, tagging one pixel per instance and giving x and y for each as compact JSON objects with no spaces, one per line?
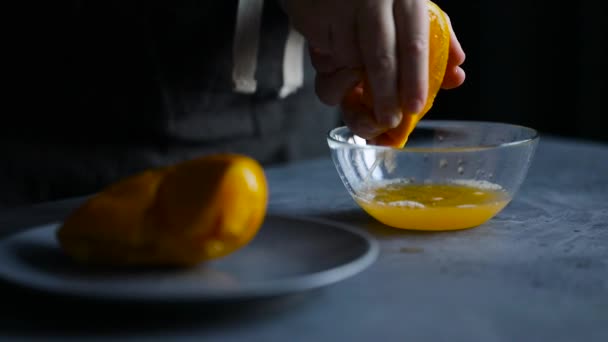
{"x":390,"y":118}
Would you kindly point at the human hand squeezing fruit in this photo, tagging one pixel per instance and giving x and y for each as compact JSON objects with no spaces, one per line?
{"x":382,"y":61}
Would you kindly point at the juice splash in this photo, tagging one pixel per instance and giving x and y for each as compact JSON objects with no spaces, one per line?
{"x":450,"y":206}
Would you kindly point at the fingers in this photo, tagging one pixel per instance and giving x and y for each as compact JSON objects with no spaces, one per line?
{"x":378,"y":45}
{"x":454,"y":78}
{"x":345,"y":50}
{"x":457,"y":55}
{"x":331,"y":81}
{"x":390,"y":41}
{"x":358,"y":117}
{"x":332,"y":87}
{"x":411,"y":18}
{"x":454,"y":74}
{"x":316,"y":32}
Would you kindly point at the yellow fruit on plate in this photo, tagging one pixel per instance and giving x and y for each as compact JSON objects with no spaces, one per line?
{"x":180,"y":215}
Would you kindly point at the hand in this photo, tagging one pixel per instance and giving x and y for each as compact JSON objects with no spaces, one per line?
{"x":386,"y":38}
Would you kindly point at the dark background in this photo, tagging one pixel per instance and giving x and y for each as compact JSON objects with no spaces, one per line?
{"x":539,"y":63}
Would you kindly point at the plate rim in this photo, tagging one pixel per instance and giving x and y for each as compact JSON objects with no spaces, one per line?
{"x":280,"y":287}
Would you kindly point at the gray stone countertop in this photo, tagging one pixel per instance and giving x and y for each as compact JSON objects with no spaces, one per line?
{"x":536,"y":272}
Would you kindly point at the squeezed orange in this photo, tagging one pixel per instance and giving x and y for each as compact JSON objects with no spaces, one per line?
{"x":439,"y":50}
{"x":433,"y":206}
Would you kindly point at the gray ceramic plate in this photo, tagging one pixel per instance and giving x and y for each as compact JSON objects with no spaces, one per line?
{"x":288,"y":255}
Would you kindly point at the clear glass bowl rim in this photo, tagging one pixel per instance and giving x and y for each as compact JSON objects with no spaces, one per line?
{"x":533,"y":137}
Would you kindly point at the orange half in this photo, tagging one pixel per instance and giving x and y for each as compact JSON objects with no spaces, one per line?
{"x":439,"y":50}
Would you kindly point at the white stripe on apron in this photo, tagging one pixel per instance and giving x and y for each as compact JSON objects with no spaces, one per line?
{"x":245,"y":48}
{"x":293,"y":64}
{"x":245,"y":52}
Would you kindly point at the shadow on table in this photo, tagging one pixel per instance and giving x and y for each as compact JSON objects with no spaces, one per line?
{"x":361,"y":220}
{"x":33,"y":314}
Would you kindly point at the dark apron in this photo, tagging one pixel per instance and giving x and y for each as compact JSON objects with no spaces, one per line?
{"x":146,"y":85}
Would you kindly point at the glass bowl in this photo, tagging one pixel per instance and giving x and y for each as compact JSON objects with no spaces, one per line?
{"x":451,"y":174}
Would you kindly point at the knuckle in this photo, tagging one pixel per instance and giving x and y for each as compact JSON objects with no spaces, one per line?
{"x":414,"y":95}
{"x":382,"y":63}
{"x":416,"y":46}
{"x":416,"y":90}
